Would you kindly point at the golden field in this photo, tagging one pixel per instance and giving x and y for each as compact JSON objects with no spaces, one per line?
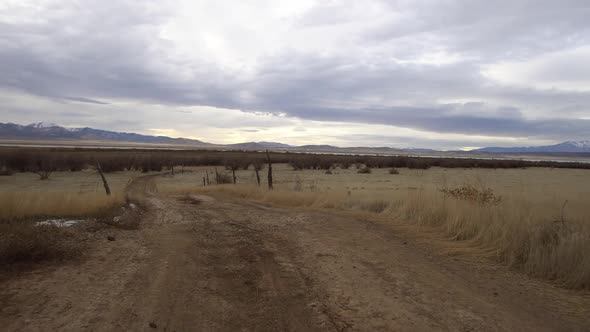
{"x":64,"y":194}
{"x":541,"y":225}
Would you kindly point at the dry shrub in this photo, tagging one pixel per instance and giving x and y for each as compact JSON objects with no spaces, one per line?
{"x":393,"y":171}
{"x":298,"y":184}
{"x":510,"y":232}
{"x":470,"y":193}
{"x":223,"y":178}
{"x":25,"y":242}
{"x":364,"y":170}
{"x":377,"y":206}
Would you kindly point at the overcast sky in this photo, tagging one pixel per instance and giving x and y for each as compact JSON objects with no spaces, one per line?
{"x":440,"y":74}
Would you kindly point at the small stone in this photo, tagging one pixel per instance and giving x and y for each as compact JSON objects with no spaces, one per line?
{"x":153,"y":325}
{"x":111,"y":238}
{"x":495,"y":293}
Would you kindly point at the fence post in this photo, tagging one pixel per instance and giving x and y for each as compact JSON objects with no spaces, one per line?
{"x":107,"y":189}
{"x":269,"y":170}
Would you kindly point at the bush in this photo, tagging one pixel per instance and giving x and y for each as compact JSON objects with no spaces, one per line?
{"x":483,"y":196}
{"x":364,"y":170}
{"x":393,"y":171}
{"x":223,"y":178}
{"x":25,"y":242}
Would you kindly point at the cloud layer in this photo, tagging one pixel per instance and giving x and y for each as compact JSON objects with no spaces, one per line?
{"x":462,"y":73}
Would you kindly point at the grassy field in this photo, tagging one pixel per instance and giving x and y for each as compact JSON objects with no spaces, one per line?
{"x":64,"y":194}
{"x":537,"y":220}
{"x":538,"y":223}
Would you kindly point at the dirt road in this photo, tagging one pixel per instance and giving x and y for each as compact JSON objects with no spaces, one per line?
{"x":204,"y":264}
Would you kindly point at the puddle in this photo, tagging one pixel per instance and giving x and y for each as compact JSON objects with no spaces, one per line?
{"x":59,"y":222}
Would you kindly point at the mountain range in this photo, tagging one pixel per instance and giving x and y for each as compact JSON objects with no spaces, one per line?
{"x":50,"y":132}
{"x":569,"y":146}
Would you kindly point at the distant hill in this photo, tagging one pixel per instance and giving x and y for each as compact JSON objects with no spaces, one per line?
{"x":569,"y":146}
{"x":48,"y":131}
{"x":318,"y":147}
{"x":42,"y":131}
{"x":259,"y":145}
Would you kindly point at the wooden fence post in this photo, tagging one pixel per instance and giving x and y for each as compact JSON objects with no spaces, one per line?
{"x":257,"y":175}
{"x":269,"y":170}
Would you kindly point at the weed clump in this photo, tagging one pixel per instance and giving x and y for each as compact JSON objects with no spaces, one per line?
{"x":23,"y":242}
{"x":468,"y":192}
{"x":393,"y":171}
{"x":364,"y":170}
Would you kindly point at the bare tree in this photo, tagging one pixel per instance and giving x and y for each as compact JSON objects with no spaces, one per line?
{"x":233,"y":164}
{"x":258,"y":166}
{"x":44,"y":166}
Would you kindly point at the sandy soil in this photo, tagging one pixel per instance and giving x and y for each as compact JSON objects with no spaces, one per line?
{"x":200,"y":263}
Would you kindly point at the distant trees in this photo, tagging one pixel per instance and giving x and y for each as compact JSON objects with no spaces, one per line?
{"x":46,"y":161}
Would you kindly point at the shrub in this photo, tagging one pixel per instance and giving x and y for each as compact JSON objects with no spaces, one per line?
{"x":393,"y":171}
{"x":345,"y":164}
{"x":468,"y":192}
{"x":364,"y":170}
{"x":223,"y":178}
{"x":25,"y":242}
{"x":377,"y":206}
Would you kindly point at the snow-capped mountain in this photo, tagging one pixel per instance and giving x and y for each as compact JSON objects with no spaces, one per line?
{"x":42,"y":125}
{"x":579,"y":144}
{"x":48,"y":131}
{"x":569,"y":146}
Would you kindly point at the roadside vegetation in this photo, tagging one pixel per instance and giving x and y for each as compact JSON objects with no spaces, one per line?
{"x":533,"y":220}
{"x":532,"y":216}
{"x":26,"y":242}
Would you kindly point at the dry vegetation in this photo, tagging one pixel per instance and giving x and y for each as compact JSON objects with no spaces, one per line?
{"x":65,"y":194}
{"x":495,"y":208}
{"x":514,"y":216}
{"x":25,"y":242}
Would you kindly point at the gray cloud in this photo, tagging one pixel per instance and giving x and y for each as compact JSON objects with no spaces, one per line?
{"x":383,"y":72}
{"x":85,"y":100}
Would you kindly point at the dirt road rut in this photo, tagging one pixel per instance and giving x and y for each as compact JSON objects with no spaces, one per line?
{"x":203,"y":264}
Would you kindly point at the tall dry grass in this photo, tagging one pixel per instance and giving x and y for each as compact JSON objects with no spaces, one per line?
{"x":23,"y":204}
{"x":513,"y":231}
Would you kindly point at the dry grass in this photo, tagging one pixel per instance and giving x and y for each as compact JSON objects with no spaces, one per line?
{"x":19,"y":205}
{"x":65,"y":194}
{"x":24,"y":242}
{"x":524,"y":229}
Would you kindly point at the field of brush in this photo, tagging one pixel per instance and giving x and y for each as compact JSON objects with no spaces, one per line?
{"x":534,"y":219}
{"x":64,"y":194}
